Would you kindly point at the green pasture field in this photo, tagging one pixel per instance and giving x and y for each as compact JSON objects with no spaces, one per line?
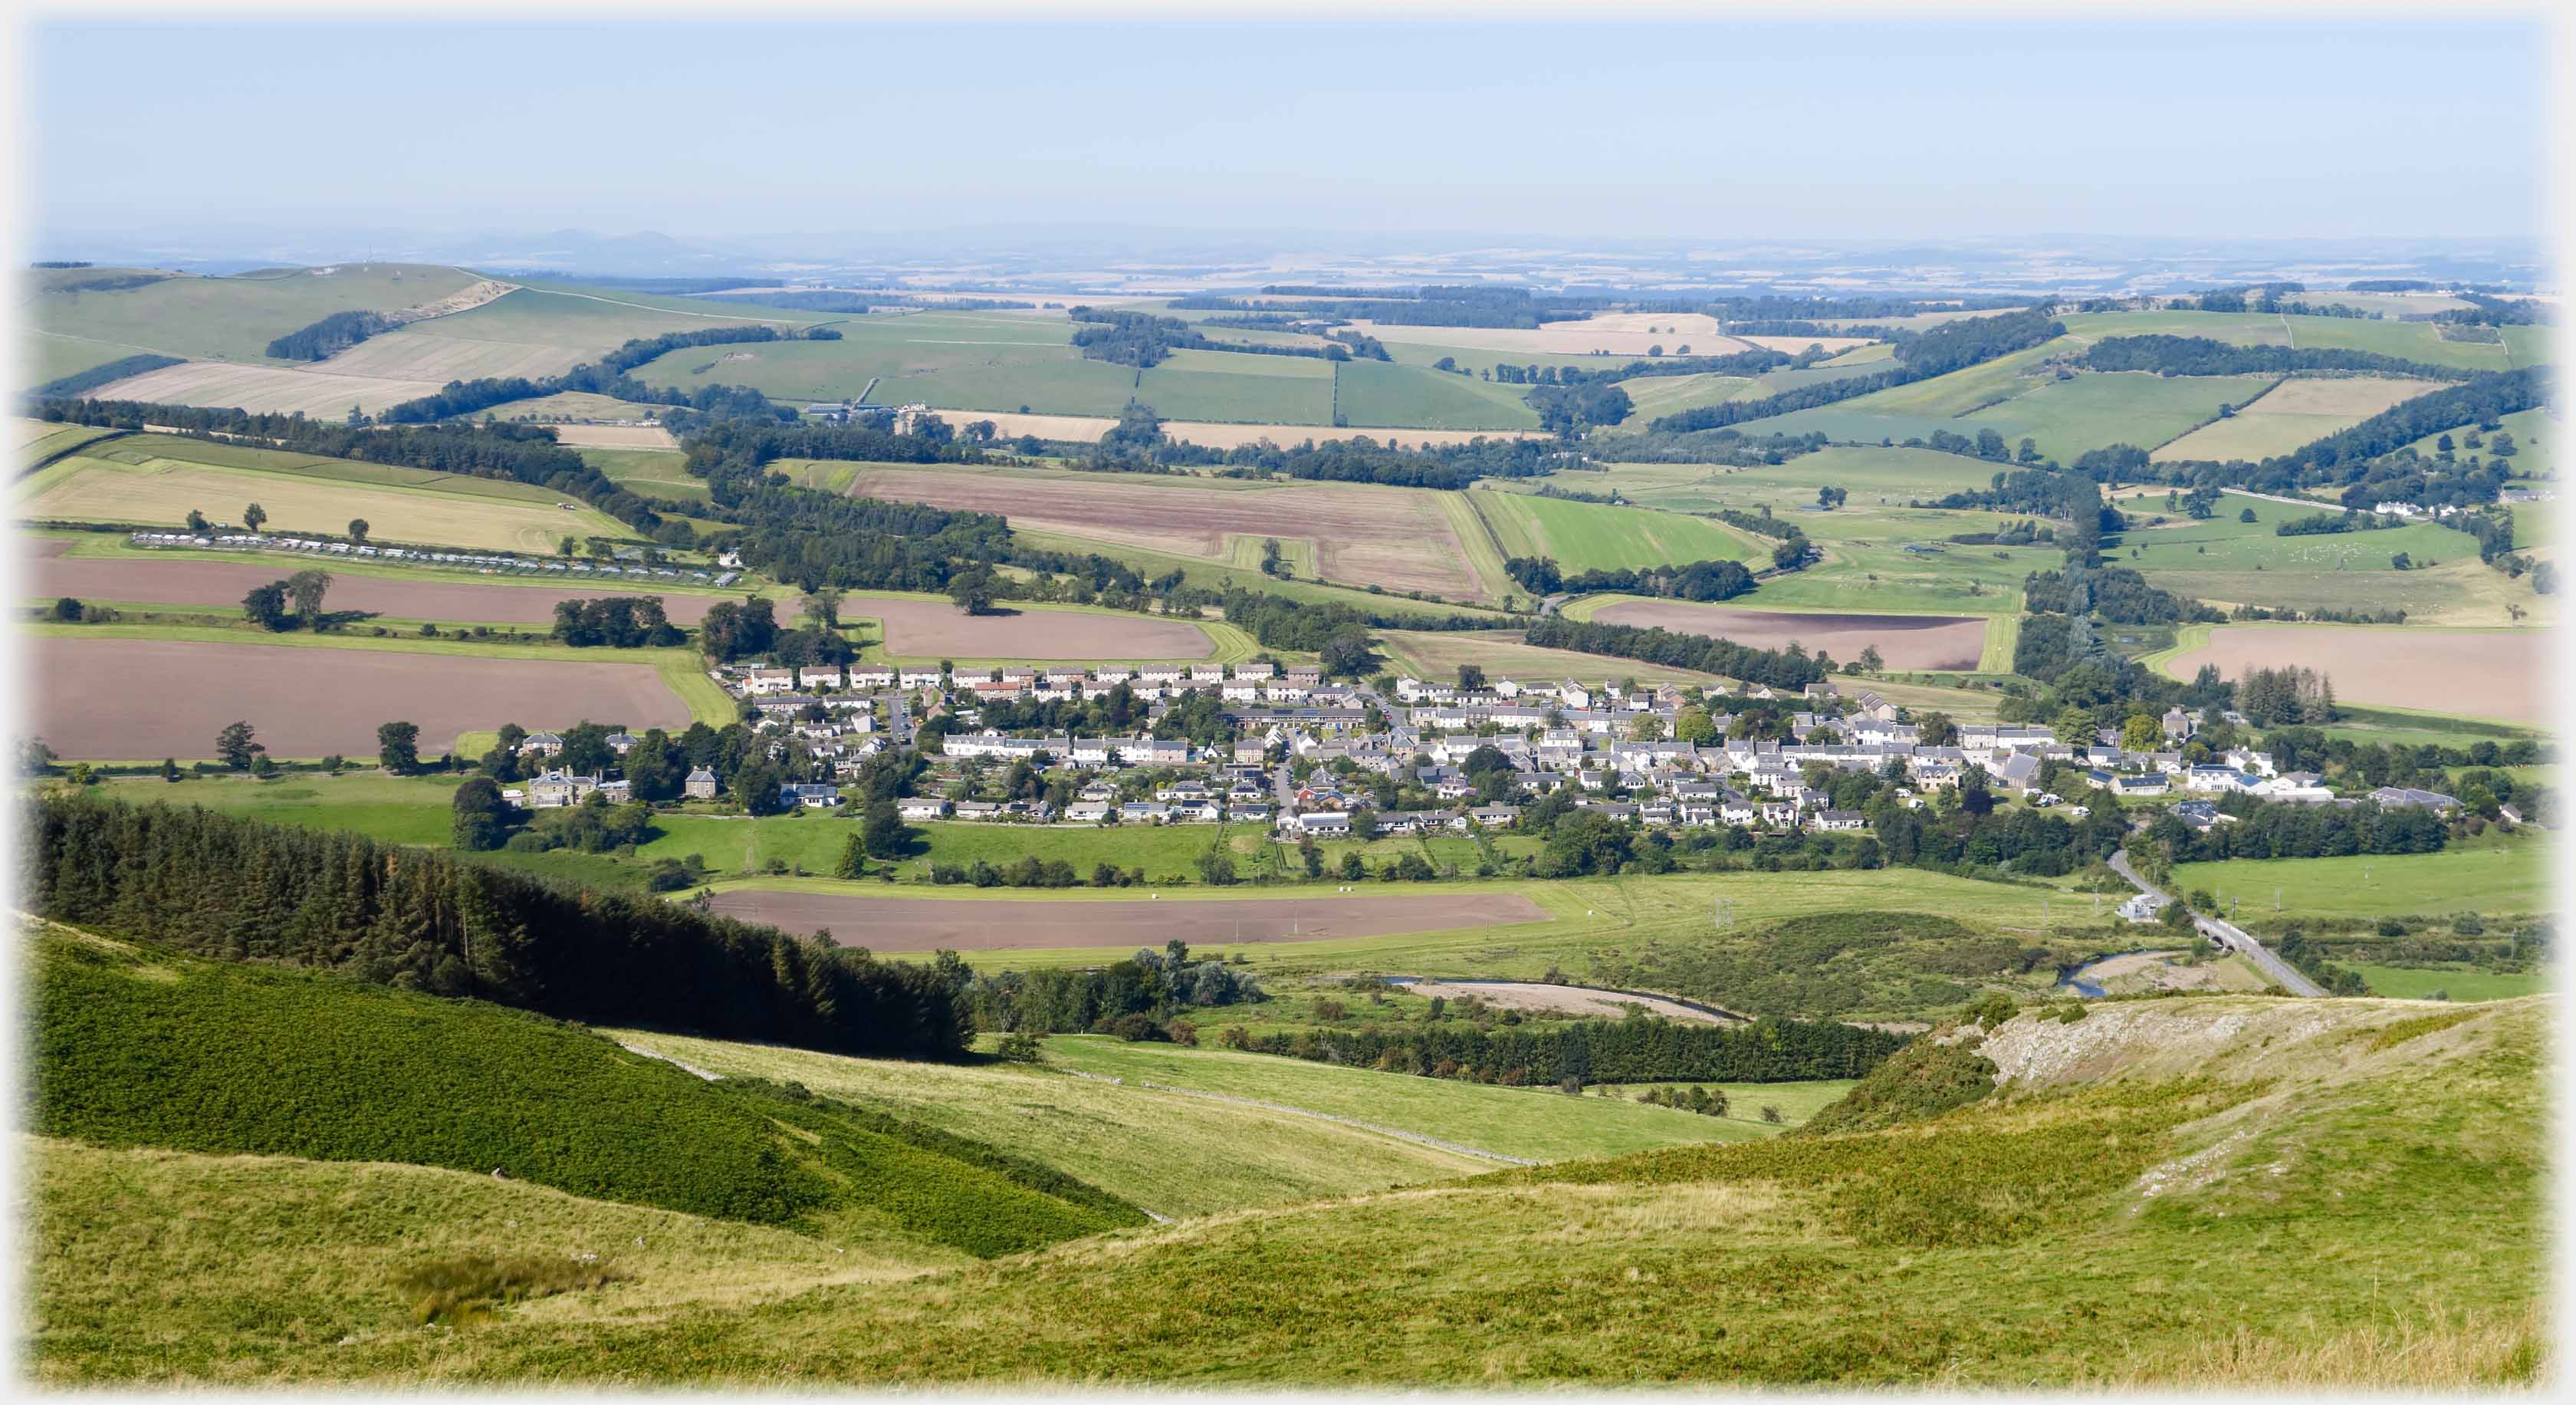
{"x":574,"y":405}
{"x":1866,"y":568}
{"x":1534,"y":1124}
{"x":156,"y":479}
{"x":2459,"y":983}
{"x":2460,"y":593}
{"x":813,"y":840}
{"x":2066,"y":418}
{"x":1232,"y":387}
{"x":1582,"y":536}
{"x":2494,"y":873}
{"x":49,"y":356}
{"x":396,"y":809}
{"x":1395,"y":396}
{"x":1170,"y":1152}
{"x":234,"y":319}
{"x":112,"y":546}
{"x":657,"y":473}
{"x":2224,"y":543}
{"x":2411,"y":341}
{"x":1484,"y":548}
{"x":1770,"y":383}
{"x":2536,"y":434}
{"x":1655,"y":396}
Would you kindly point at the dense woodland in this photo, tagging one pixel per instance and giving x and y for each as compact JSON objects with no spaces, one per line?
{"x":330,"y":336}
{"x":237,"y":889}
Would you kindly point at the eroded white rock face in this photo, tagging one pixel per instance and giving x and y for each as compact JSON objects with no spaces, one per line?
{"x":2169,"y":1038}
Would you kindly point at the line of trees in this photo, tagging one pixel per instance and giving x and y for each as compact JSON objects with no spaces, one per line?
{"x":83,"y":382}
{"x":1607,"y":1051}
{"x":1952,"y":346}
{"x":1699,"y":580}
{"x":2207,"y":356}
{"x":1789,"y":668}
{"x":239,"y":889}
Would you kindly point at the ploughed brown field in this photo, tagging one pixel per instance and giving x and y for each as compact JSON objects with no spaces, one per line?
{"x":2498,"y":673}
{"x":938,"y":629}
{"x":222,"y":584}
{"x":1903,"y":641}
{"x":929,"y":924}
{"x":142,"y":699}
{"x":1392,"y":537}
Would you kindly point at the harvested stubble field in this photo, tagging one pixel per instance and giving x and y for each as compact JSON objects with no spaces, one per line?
{"x":617,"y":436}
{"x":1938,"y":642}
{"x":222,"y":584}
{"x":935,"y":629}
{"x":2498,"y":673}
{"x":1397,"y":538}
{"x":966,"y":924}
{"x":267,"y":389}
{"x":155,"y":480}
{"x":2298,"y":411}
{"x":1622,"y":334}
{"x":142,"y":699}
{"x":1438,"y":654}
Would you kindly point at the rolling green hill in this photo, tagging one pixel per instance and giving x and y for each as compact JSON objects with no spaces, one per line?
{"x":139,"y":1047}
{"x":2219,"y":1192}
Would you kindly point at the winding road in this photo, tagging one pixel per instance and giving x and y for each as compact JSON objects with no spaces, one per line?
{"x":2230,"y":937}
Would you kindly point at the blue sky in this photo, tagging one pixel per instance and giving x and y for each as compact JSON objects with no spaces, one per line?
{"x":1860,"y":127}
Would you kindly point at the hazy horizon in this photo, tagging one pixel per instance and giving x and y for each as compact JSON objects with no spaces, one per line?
{"x":1728,"y":131}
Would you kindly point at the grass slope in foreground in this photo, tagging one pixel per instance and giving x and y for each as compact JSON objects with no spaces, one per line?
{"x":2219,"y":1192}
{"x":136,"y":1047}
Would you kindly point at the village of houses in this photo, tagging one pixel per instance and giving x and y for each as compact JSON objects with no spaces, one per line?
{"x":1612,"y":745}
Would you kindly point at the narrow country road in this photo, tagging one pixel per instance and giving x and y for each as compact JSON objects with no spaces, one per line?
{"x":2229,"y":937}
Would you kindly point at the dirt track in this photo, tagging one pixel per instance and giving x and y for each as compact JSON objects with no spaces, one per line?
{"x":926,"y":924}
{"x":140,"y":699}
{"x":1903,"y":641}
{"x":186,"y":581}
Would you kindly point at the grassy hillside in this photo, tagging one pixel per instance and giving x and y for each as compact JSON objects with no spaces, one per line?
{"x":234,"y":319}
{"x":2211,"y":1193}
{"x":135,"y":1047}
{"x":157,"y":479}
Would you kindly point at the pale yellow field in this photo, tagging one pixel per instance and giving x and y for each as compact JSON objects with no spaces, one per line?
{"x":2299,"y":411}
{"x":615,"y":436}
{"x":1086,"y":428}
{"x":163,"y":492}
{"x":271,"y":389}
{"x":1619,"y":334}
{"x":418,"y":355}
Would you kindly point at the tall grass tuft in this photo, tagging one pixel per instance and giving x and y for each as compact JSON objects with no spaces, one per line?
{"x":463,"y":1289}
